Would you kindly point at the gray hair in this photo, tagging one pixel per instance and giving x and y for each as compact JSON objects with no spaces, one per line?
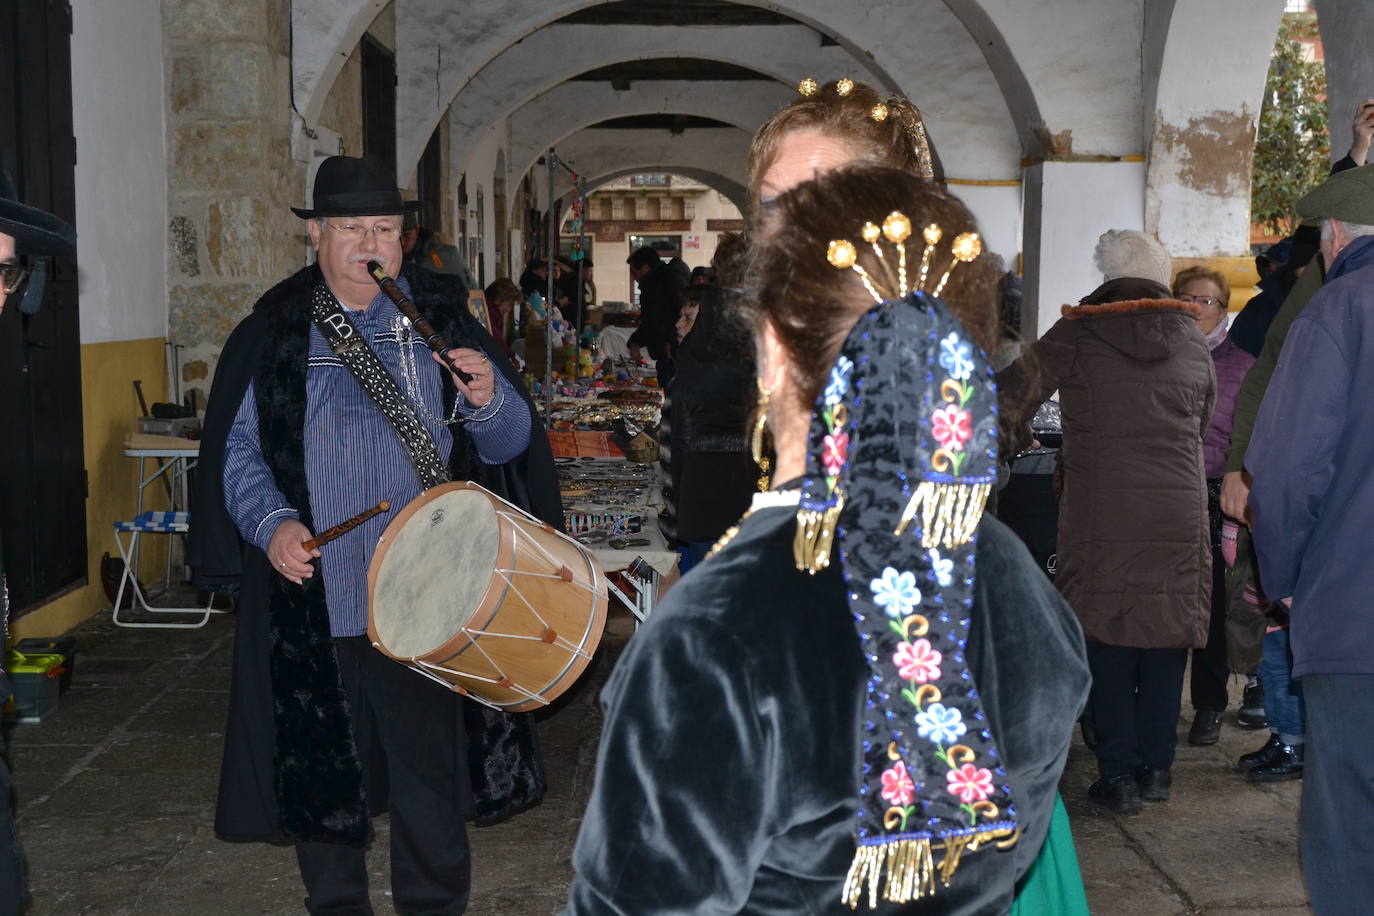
{"x":1352,"y":230}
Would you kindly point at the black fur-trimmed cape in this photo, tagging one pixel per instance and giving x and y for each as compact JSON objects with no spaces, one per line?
{"x":290,"y":768}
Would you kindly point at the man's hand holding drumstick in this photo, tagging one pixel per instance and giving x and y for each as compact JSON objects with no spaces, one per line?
{"x":288,"y":552}
{"x":292,"y":552}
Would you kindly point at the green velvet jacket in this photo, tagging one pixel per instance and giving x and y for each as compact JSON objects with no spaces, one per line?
{"x":727,"y":779}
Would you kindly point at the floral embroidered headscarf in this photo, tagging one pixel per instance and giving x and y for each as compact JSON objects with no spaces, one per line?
{"x":901,"y":459}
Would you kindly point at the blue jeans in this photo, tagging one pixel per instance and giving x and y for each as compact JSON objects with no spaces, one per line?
{"x":690,"y":553}
{"x":1283,"y":704}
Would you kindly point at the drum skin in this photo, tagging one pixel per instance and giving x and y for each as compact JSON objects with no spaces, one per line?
{"x":468,"y":589}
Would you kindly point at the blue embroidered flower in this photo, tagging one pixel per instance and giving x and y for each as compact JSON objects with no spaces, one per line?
{"x":941,"y":569}
{"x":896,"y":592}
{"x":839,"y":381}
{"x":941,"y":724}
{"x":957,"y":357}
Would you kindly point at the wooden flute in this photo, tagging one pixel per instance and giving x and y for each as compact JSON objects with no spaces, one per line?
{"x":407,"y":308}
{"x":345,"y":526}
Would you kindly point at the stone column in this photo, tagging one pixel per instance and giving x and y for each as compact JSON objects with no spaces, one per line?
{"x":231,"y":175}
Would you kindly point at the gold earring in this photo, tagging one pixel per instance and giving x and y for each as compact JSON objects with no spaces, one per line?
{"x":760,"y":426}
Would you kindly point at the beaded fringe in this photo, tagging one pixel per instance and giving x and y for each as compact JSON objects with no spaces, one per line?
{"x":910,"y":866}
{"x":816,"y":535}
{"x":950,"y":512}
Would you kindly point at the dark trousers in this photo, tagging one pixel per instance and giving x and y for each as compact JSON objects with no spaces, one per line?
{"x":1135,"y":699}
{"x":12,"y":893}
{"x":401,"y":723}
{"x":1338,"y":793}
{"x":1210,"y":670}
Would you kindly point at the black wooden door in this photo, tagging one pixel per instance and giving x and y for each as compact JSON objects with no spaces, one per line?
{"x":42,"y":476}
{"x":379,"y":101}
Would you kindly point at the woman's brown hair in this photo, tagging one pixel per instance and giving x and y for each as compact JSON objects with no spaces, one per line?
{"x":1200,"y":272}
{"x":503,"y":291}
{"x":812,"y":306}
{"x":897,"y":139}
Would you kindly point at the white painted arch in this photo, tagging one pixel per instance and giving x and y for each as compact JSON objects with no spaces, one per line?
{"x":917,"y":46}
{"x":598,"y":154}
{"x":323,"y":35}
{"x":549,"y":57}
{"x":570,"y":107}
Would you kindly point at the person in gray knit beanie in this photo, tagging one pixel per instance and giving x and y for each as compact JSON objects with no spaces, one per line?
{"x":1128,"y":253}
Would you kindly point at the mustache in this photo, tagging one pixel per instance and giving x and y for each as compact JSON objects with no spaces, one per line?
{"x":363,"y":258}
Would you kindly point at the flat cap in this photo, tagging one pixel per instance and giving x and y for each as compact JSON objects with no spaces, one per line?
{"x":1347,"y":196}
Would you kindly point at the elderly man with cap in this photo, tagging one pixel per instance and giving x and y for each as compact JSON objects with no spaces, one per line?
{"x":323,"y":729}
{"x":1312,"y":508}
{"x":24,"y":232}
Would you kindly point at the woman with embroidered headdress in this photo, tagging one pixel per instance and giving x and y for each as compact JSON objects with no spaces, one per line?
{"x":866,"y":694}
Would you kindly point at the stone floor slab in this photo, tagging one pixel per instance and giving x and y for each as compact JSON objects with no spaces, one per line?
{"x":116,"y":794}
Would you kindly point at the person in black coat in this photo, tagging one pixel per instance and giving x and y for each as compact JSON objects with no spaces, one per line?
{"x":713,"y":395}
{"x":660,"y":300}
{"x":323,"y":730}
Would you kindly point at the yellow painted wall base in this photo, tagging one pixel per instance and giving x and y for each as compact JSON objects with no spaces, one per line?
{"x":109,"y":408}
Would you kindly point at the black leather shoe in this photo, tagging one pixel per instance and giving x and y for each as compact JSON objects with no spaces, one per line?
{"x":1286,"y":763}
{"x":1119,"y":794}
{"x":1251,"y":712}
{"x":1261,"y":757}
{"x":1154,"y":784}
{"x":1206,"y":727}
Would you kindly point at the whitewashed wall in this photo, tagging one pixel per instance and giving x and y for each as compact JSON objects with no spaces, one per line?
{"x":121,"y":168}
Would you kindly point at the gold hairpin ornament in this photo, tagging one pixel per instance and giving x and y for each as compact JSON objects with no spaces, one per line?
{"x":844,"y":87}
{"x":965,"y":248}
{"x":897,"y":229}
{"x":878,"y":112}
{"x":932,"y":235}
{"x":808,"y":87}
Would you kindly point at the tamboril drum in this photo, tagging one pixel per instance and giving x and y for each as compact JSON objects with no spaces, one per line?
{"x":471,"y":591}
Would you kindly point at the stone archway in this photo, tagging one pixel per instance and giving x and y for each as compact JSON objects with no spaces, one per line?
{"x":571,"y":107}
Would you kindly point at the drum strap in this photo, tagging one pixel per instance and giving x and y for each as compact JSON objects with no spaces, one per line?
{"x":352,"y":349}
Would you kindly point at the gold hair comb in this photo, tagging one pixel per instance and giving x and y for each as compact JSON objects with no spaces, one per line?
{"x":896,"y":229}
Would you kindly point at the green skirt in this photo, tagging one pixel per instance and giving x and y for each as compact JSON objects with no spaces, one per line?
{"x":1054,"y":885}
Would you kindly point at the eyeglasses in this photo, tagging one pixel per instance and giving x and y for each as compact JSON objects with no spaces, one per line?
{"x":11,"y":275}
{"x":353,"y":231}
{"x":1204,"y":301}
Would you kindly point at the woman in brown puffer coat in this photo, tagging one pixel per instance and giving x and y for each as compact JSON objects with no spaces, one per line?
{"x":1136,"y":387}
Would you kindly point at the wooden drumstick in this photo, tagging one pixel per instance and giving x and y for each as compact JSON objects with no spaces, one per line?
{"x":345,"y":526}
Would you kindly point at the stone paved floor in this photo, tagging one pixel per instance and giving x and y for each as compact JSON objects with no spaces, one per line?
{"x":115,"y":794}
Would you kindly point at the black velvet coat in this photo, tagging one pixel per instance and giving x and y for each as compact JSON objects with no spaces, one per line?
{"x":290,"y":768}
{"x":727,"y":779}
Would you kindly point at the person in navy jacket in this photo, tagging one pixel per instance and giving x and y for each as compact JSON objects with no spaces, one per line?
{"x":1312,"y":509}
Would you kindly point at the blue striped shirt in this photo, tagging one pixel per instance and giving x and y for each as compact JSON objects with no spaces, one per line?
{"x":354,"y":459}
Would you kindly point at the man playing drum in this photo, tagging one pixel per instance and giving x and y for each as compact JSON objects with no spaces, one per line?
{"x":326,"y":402}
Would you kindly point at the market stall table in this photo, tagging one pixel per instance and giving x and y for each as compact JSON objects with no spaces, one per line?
{"x":610,"y":505}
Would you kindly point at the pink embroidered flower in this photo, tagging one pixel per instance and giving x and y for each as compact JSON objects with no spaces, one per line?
{"x":835,"y":449}
{"x":897,"y":785}
{"x":969,"y":783}
{"x":917,"y":661}
{"x":950,"y":427}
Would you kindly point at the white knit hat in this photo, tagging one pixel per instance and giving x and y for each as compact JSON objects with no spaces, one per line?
{"x":1128,"y":253}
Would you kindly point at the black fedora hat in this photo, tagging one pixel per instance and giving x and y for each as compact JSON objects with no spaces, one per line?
{"x":35,"y":231}
{"x":355,"y":186}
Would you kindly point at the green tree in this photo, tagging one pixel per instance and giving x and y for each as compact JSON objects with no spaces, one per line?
{"x":1293,"y":149}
